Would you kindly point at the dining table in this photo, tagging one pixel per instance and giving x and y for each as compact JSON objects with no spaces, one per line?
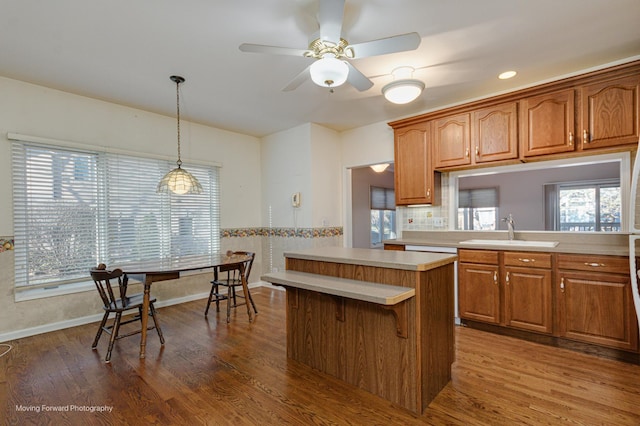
{"x":156,"y":270}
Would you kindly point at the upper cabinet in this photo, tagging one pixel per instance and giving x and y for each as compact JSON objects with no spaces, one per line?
{"x":452,"y":141}
{"x":610,"y":113}
{"x":415,"y":180}
{"x":483,"y":135}
{"x":598,"y":111}
{"x":494,"y":133}
{"x":547,"y":123}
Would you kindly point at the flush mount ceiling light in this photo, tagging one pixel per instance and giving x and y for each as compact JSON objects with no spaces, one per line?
{"x":379,"y":168}
{"x":329,"y":72}
{"x":179,"y":181}
{"x":506,"y":75}
{"x":404,"y":88}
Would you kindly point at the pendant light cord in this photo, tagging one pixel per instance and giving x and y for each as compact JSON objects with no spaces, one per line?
{"x":179,"y":162}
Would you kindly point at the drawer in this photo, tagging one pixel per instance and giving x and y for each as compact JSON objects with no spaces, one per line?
{"x":581,"y":262}
{"x":478,"y":256}
{"x":530,"y":259}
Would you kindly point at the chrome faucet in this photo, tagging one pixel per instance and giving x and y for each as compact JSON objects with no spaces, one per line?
{"x":511,"y":225}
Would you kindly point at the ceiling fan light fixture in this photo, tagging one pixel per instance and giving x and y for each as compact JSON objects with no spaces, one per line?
{"x":329,"y":72}
{"x":403,"y":89}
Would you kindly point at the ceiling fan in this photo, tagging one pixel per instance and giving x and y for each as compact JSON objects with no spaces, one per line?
{"x":332,"y":53}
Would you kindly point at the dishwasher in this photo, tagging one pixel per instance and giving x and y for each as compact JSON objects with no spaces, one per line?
{"x":450,"y":250}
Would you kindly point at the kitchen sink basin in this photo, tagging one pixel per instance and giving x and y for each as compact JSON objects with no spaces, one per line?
{"x":511,"y":243}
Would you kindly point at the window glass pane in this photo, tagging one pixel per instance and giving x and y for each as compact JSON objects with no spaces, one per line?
{"x":577,"y":209}
{"x":55,"y":205}
{"x":383,"y":226}
{"x":610,"y":207}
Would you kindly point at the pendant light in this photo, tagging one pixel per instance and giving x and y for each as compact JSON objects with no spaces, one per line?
{"x":179,"y":181}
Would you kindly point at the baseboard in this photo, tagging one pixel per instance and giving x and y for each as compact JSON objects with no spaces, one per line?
{"x":61,"y":325}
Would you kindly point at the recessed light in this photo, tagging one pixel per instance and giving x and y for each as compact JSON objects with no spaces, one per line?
{"x":507,"y":74}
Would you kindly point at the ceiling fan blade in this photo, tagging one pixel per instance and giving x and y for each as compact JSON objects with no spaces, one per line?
{"x":383,"y":46}
{"x":274,"y":50}
{"x":357,"y":79}
{"x":297,"y":80}
{"x":330,"y":20}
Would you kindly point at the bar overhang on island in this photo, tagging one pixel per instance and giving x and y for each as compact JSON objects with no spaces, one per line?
{"x":380,"y":320}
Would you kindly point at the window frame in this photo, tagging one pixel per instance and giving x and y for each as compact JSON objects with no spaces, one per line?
{"x":209,"y":207}
{"x":381,"y":203}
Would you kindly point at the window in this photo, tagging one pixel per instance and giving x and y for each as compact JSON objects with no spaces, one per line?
{"x":584,"y":206}
{"x":75,"y":208}
{"x":383,"y":214}
{"x":478,"y":209}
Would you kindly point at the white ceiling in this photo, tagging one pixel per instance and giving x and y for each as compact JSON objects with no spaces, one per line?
{"x":124,"y":51}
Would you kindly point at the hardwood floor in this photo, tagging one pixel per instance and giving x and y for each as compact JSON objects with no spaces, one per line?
{"x":211,"y":372}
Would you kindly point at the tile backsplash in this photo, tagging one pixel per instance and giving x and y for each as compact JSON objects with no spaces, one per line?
{"x":427,"y":218}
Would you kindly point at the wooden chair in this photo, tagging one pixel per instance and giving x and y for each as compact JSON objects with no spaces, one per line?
{"x":232,"y":280}
{"x":112,"y":286}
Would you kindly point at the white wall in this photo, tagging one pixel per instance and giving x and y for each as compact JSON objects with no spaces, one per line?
{"x":326,"y":182}
{"x":286,"y":161}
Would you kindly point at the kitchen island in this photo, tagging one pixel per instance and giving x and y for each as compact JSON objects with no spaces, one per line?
{"x":380,"y":320}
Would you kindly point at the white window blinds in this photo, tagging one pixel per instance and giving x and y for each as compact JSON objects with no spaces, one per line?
{"x":478,"y":198}
{"x":74,"y":209}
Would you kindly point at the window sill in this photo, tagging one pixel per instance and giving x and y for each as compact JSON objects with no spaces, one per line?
{"x":42,"y":293}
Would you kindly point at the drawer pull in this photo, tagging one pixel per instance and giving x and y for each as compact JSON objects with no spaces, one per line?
{"x":495,"y":277}
{"x":526,"y":260}
{"x":562,"y":285}
{"x":507,"y":279}
{"x":594,"y":264}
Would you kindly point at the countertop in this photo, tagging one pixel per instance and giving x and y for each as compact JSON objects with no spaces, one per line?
{"x":407,"y":260}
{"x":382,"y":294}
{"x":568,"y":242}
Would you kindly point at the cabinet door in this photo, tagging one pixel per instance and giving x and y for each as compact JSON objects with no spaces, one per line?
{"x":479,"y":292}
{"x":610,"y":113}
{"x":547,"y":123}
{"x":528,"y":304}
{"x":597,"y":308}
{"x":452,"y":141}
{"x":413,"y":171}
{"x":494,"y":133}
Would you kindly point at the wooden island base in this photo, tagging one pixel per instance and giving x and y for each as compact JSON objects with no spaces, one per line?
{"x":385,"y":326}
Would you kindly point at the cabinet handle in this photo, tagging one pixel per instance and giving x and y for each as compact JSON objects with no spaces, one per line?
{"x":526,"y":260}
{"x":562,"y":284}
{"x":428,"y":192}
{"x":466,"y":152}
{"x":585,"y":136}
{"x":570,"y":138}
{"x":507,"y":279}
{"x":477,"y":151}
{"x":594,"y":264}
{"x":495,"y":277}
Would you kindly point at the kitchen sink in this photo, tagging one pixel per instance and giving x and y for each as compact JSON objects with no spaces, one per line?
{"x":511,"y":243}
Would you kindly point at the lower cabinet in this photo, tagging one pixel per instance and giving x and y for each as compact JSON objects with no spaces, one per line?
{"x":528,"y":303}
{"x":580,"y":298}
{"x":512,"y":289}
{"x":479,"y":292}
{"x":595,"y":301}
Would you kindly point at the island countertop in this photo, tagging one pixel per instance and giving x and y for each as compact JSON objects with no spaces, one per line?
{"x":406,"y":260}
